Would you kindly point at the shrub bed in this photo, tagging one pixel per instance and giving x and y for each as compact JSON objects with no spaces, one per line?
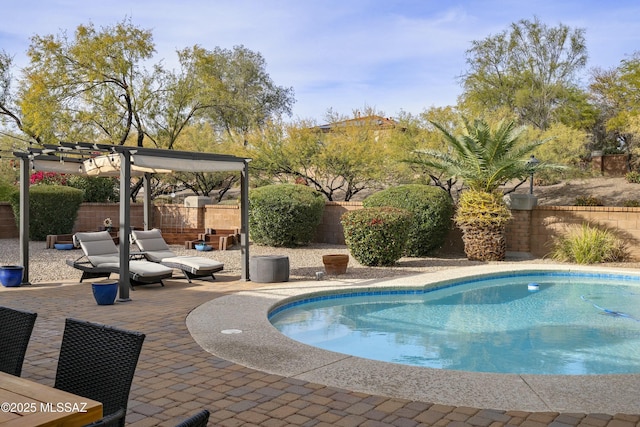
{"x":377,"y":236}
{"x":53,"y":209}
{"x":284,"y":215}
{"x":432,"y":210}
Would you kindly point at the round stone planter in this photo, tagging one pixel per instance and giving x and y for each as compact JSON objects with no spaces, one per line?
{"x":11,"y":275}
{"x":269,"y":268}
{"x":335,"y":264}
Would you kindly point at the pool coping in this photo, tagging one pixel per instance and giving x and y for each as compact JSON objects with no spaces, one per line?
{"x":236,"y":328}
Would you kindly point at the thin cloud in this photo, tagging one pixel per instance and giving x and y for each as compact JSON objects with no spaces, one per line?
{"x":396,"y":55}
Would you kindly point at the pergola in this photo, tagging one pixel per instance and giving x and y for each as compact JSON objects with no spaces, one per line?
{"x":89,"y":159}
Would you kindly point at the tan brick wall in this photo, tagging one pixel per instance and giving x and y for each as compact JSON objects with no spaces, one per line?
{"x":611,"y":164}
{"x":548,"y":222}
{"x":91,"y":216}
{"x":8,"y":227}
{"x":330,"y":229}
{"x":528,"y":231}
{"x":222,"y":216}
{"x":177,"y":217}
{"x":519,"y":232}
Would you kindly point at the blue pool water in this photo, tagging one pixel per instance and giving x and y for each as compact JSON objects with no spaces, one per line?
{"x":573,"y":324}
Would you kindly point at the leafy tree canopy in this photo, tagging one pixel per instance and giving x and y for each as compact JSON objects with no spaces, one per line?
{"x":616,"y":93}
{"x":90,"y":87}
{"x":530,"y":68}
{"x":349,"y":158}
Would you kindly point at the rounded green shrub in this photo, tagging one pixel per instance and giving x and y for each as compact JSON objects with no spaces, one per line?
{"x":96,"y":189}
{"x":377,"y":236}
{"x":284,"y":215}
{"x":432,"y":210}
{"x":53,"y":209}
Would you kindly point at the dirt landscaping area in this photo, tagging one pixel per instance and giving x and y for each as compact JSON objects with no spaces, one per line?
{"x":611,"y":191}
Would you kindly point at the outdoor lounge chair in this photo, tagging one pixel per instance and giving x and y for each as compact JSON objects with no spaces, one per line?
{"x":102,"y":259}
{"x":156,"y":249}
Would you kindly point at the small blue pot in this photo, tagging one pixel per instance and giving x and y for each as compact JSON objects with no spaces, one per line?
{"x":11,"y":275}
{"x":105,"y":292}
{"x":63,"y":246}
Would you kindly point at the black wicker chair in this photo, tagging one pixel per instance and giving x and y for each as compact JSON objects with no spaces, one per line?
{"x":98,"y":362}
{"x":108,"y":421}
{"x":199,"y":419}
{"x":15,"y":333}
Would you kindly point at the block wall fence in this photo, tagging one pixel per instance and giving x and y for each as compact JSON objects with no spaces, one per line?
{"x":530,"y":231}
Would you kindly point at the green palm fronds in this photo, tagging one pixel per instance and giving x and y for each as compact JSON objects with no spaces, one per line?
{"x":482,"y":157}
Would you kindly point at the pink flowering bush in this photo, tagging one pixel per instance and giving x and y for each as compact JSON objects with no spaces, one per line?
{"x":50,"y":178}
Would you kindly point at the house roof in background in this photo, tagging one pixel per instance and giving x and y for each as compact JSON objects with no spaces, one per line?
{"x":372,"y":120}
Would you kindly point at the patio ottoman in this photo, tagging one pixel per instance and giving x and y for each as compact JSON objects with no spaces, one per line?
{"x":269,"y":268}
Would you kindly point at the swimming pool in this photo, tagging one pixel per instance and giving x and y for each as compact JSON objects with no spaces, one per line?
{"x":236,"y":328}
{"x":529,"y":323}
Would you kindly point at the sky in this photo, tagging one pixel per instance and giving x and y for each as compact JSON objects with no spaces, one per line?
{"x":344,"y":55}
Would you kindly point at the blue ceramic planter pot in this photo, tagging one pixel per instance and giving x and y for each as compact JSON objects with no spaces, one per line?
{"x":11,"y":275}
{"x":105,"y":292}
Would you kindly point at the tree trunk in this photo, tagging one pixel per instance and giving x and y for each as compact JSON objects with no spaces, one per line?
{"x":484,"y":243}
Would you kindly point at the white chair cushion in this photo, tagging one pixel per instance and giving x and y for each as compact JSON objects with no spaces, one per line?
{"x":142,"y":268}
{"x":100,"y":260}
{"x":196,"y":262}
{"x":150,"y":240}
{"x":159,"y":256}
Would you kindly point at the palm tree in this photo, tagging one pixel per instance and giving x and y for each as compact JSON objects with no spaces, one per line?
{"x":483,"y":158}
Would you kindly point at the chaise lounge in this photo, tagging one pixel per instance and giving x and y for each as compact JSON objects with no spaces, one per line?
{"x":102,"y":259}
{"x":155,"y":249}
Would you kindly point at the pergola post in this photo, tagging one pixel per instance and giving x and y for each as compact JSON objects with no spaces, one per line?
{"x":125,"y":225}
{"x":24,"y":217}
{"x":244,"y":221}
{"x":147,"y":209}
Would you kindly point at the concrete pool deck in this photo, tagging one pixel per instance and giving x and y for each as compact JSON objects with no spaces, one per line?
{"x":245,"y":336}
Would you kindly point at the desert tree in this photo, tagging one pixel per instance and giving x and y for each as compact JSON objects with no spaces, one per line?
{"x":90,"y":86}
{"x":530,"y":68}
{"x":340,"y":163}
{"x":615,"y":92}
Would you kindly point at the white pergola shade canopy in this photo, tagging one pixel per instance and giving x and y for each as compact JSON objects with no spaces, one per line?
{"x":140,"y":161}
{"x":55,"y":166}
{"x":109,"y":165}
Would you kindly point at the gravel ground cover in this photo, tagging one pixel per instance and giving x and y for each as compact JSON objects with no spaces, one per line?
{"x":48,"y":265}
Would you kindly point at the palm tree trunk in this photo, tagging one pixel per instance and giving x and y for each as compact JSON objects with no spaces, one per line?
{"x":485,"y":243}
